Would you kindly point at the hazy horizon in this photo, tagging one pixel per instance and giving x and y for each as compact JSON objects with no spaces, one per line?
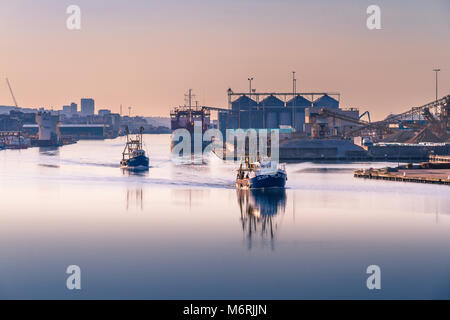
{"x":146,"y":54}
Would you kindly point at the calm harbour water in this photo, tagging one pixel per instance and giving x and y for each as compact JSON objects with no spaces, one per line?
{"x":184,"y":232}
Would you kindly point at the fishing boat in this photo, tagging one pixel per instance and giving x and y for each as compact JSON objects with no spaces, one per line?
{"x":261,"y":175}
{"x":133,"y":156}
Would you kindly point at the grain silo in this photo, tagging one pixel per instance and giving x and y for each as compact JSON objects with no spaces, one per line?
{"x":296,"y":107}
{"x":243,"y":103}
{"x":243,"y":108}
{"x":271,"y":107}
{"x":326,"y":101}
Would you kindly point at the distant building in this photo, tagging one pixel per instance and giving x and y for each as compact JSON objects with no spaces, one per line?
{"x":133,"y":123}
{"x":73,"y":108}
{"x":83,"y":131}
{"x":104,"y":112}
{"x":319,"y":126}
{"x":6,"y":109}
{"x":87,"y":106}
{"x":112,"y":122}
{"x":24,"y":117}
{"x":15,"y":120}
{"x":70,"y":110}
{"x":8,"y":123}
{"x":75,"y":131}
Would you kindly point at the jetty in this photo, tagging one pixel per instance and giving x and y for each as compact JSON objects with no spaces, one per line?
{"x":436,"y":171}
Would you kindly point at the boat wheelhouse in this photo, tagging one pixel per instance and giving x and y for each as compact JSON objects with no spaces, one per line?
{"x":261,"y":175}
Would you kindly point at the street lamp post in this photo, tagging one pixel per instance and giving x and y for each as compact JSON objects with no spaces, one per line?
{"x":250,"y":85}
{"x":294,"y":89}
{"x":436,"y":71}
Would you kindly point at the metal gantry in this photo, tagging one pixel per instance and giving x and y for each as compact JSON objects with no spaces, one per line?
{"x":437,"y":110}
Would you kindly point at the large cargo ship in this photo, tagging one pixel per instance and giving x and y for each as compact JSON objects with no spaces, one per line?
{"x":189,"y":117}
{"x":186,"y":116}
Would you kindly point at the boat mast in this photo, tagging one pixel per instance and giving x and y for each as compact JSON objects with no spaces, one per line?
{"x":127,"y":148}
{"x":189,"y":97}
{"x":190,"y":105}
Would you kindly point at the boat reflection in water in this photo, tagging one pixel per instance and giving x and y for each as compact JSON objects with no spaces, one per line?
{"x":49,"y":151}
{"x":135,"y":196}
{"x":135,"y":199}
{"x":260,"y":213}
{"x":131,"y":173}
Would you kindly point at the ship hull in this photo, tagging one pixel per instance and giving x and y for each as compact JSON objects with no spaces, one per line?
{"x":264,"y":181}
{"x":202,"y":146}
{"x":136,"y":163}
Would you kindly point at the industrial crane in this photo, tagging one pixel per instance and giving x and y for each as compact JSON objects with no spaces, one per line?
{"x":12,"y":93}
{"x":441,"y":124}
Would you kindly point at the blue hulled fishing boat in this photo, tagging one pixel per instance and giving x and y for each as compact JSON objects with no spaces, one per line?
{"x":133,"y":156}
{"x":262,"y":175}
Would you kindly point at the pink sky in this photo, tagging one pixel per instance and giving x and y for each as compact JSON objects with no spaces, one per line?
{"x":148,"y":53}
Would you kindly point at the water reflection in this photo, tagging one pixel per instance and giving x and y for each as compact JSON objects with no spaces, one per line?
{"x":339,"y":226}
{"x":189,"y":198}
{"x":55,"y":166}
{"x":49,"y":151}
{"x":131,"y":173}
{"x":135,"y":199}
{"x":260,"y":211}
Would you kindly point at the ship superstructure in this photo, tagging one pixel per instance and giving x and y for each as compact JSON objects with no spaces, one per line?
{"x":188,"y":116}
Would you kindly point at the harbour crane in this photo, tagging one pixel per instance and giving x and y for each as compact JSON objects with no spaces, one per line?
{"x":12,"y":93}
{"x":438,"y":124}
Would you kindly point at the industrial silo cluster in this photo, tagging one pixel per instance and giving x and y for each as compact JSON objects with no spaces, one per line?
{"x":273,"y":111}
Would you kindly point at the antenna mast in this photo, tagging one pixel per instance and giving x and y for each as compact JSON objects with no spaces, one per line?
{"x":188,"y":96}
